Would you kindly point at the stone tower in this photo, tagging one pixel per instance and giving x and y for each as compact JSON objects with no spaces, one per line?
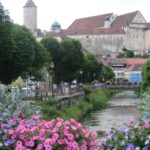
{"x":30,"y":16}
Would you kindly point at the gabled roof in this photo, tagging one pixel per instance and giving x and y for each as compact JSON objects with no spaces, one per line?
{"x":30,"y":3}
{"x":124,"y":20}
{"x":88,"y":24}
{"x":94,"y":25}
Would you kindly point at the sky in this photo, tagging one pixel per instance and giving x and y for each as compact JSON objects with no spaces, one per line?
{"x":66,"y":11}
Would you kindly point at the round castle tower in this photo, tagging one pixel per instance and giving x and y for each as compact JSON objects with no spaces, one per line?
{"x":30,"y":16}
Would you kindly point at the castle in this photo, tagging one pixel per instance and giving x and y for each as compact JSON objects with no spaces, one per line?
{"x":102,"y":34}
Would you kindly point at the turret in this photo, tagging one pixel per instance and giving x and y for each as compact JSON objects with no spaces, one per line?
{"x":30,"y":16}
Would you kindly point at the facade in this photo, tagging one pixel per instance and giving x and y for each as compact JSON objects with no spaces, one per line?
{"x":30,"y":16}
{"x":127,"y":68}
{"x":102,"y":34}
{"x":109,"y":33}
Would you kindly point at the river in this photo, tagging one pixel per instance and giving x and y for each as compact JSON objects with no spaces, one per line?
{"x":122,"y":107}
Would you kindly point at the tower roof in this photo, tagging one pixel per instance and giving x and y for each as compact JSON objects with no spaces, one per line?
{"x":55,"y":26}
{"x":30,"y":3}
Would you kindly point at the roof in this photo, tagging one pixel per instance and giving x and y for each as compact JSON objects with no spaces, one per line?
{"x":94,"y":25}
{"x":56,"y":34}
{"x":136,"y":60}
{"x":30,"y":3}
{"x":117,"y":61}
{"x":135,"y":64}
{"x":124,"y":20}
{"x":89,"y":25}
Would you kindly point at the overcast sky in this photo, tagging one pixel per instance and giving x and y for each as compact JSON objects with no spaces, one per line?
{"x":66,"y":11}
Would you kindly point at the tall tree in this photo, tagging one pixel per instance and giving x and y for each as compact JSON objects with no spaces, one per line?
{"x":107,"y":73}
{"x":72,"y":59}
{"x":91,"y":69}
{"x":146,"y":75}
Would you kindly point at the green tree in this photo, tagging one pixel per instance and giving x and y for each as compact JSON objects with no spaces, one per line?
{"x":128,"y":53}
{"x":72,"y":59}
{"x":146,"y":75}
{"x":107,"y":73}
{"x":54,"y":49}
{"x":91,"y":69}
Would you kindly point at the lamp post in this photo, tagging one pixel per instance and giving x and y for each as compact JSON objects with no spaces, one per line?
{"x":52,"y":67}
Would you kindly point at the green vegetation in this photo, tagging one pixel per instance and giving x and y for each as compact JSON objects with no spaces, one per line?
{"x":96,"y":100}
{"x":20,"y":52}
{"x":67,"y":57}
{"x":126,"y":53}
{"x":146,"y":76}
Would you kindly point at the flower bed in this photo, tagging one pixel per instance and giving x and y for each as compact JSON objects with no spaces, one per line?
{"x":133,"y":137}
{"x":37,"y":134}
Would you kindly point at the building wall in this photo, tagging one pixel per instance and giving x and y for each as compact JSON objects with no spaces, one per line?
{"x":99,"y":44}
{"x":147,"y":39}
{"x":135,"y":40}
{"x":30,"y":18}
{"x":135,"y":76}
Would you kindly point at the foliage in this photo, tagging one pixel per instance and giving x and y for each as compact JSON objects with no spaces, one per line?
{"x":19,"y":50}
{"x":145,"y":105}
{"x":128,"y":53}
{"x":107,"y":73}
{"x":91,"y":69}
{"x":95,"y":101}
{"x":40,"y":134}
{"x":146,"y":75}
{"x":12,"y":105}
{"x":72,"y":59}
{"x":133,"y":137}
{"x":87,"y":89}
{"x":66,"y":56}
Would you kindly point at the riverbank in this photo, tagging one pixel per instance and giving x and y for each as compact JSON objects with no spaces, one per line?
{"x":96,"y":100}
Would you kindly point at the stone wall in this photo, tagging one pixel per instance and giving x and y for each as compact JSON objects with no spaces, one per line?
{"x":30,"y":18}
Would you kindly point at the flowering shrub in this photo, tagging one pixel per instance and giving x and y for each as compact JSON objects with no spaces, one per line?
{"x":37,"y":134}
{"x":133,"y":137}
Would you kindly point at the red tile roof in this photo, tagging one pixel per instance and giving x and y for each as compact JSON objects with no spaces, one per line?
{"x":135,"y":64}
{"x":93,"y":25}
{"x":124,"y":20}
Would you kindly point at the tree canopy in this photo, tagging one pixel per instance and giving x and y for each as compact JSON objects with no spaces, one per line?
{"x":19,"y":50}
{"x":67,"y":57}
{"x":146,"y":75}
{"x":91,"y":69}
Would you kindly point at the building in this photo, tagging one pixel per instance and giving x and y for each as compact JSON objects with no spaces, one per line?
{"x":30,"y":16}
{"x":102,"y":34}
{"x":109,"y":33}
{"x":127,"y":68}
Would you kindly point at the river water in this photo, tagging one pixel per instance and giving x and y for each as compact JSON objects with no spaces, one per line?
{"x":121,"y":108}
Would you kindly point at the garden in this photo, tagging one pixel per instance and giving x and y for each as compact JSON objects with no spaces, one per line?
{"x":22,"y":127}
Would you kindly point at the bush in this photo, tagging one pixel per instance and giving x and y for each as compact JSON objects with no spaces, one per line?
{"x":39,"y":134}
{"x":87,"y":89}
{"x":133,"y":137}
{"x":145,"y":105}
{"x":11,"y":105}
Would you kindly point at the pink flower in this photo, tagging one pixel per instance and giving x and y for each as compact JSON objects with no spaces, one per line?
{"x":60,"y":142}
{"x":31,"y":143}
{"x":70,"y":137}
{"x":146,"y":125}
{"x":10,"y":131}
{"x":39,"y":147}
